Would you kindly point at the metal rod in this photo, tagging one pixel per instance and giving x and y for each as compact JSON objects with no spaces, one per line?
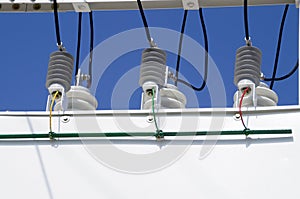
{"x":46,"y":5}
{"x":53,"y":135}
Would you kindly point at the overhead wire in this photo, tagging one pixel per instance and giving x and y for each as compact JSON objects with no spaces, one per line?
{"x":279,"y":45}
{"x":205,"y":59}
{"x":91,"y":49}
{"x":142,"y":13}
{"x":56,"y":22}
{"x":246,"y":25}
{"x":284,"y":76}
{"x":180,"y":45}
{"x":78,"y":43}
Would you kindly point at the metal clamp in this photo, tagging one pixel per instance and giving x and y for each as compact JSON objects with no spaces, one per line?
{"x":190,"y":4}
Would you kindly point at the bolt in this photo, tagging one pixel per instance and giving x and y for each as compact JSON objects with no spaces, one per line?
{"x":65,"y":119}
{"x":150,"y":119}
{"x":36,"y":6}
{"x":248,"y":91}
{"x":58,"y":96}
{"x":15,"y":6}
{"x":149,"y":92}
{"x":237,"y":116}
{"x":81,"y":7}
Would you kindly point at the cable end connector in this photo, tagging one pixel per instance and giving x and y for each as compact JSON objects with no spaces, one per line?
{"x":152,"y":43}
{"x":262,"y":76}
{"x":172,"y":76}
{"x":248,"y":41}
{"x":61,"y":47}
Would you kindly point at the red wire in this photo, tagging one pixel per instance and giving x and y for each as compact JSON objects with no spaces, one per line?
{"x":240,"y":107}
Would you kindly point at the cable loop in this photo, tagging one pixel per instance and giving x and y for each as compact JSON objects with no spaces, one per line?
{"x":206,"y":53}
{"x":282,"y":77}
{"x":279,"y":45}
{"x":240,"y":107}
{"x":51,"y":107}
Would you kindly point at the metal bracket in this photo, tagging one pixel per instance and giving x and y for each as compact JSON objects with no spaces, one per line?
{"x":81,"y":7}
{"x":190,"y":4}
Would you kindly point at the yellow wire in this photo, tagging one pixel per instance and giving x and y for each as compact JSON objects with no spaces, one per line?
{"x":51,"y":107}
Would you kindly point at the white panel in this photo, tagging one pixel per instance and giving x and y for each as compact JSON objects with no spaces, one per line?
{"x":237,"y":167}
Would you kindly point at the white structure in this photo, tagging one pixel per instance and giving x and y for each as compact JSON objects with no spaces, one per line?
{"x":79,"y":98}
{"x":257,"y":166}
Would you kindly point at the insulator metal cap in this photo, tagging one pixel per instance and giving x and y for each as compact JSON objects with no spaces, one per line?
{"x":265,"y":97}
{"x":171,"y":97}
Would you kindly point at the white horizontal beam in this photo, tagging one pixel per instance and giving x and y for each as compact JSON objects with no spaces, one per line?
{"x":67,"y":5}
{"x":185,"y":120}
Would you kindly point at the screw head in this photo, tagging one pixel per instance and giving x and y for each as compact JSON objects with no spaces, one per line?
{"x":36,"y":6}
{"x":149,"y":92}
{"x":81,"y":7}
{"x":237,"y":116}
{"x":65,"y":119}
{"x":248,"y":91}
{"x":15,"y":6}
{"x":150,"y":119}
{"x":191,"y":4}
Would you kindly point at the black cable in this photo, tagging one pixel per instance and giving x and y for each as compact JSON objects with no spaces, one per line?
{"x":246,"y":21}
{"x":180,"y":45}
{"x":78,"y":43}
{"x":56,"y":21}
{"x":91,"y":49}
{"x":206,"y":57}
{"x":284,"y":76}
{"x":279,"y":45}
{"x":144,"y":21}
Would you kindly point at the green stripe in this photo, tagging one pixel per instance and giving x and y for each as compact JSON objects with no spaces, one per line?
{"x":143,"y":134}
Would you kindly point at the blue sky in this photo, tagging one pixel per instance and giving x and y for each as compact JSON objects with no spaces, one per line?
{"x":28,"y":39}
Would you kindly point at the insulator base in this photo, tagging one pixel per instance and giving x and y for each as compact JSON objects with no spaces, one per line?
{"x":264,"y":97}
{"x":79,"y":98}
{"x":169,"y":98}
